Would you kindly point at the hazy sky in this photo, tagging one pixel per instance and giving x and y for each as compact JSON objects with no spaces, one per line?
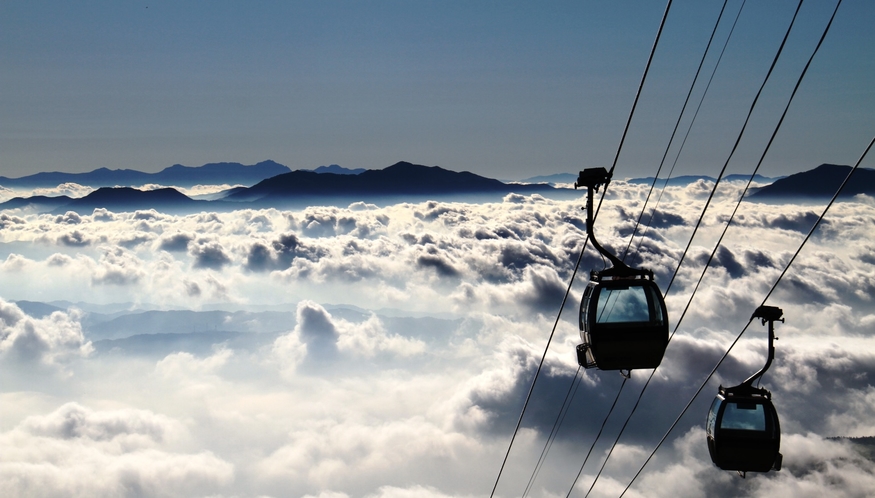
{"x":505,"y":89}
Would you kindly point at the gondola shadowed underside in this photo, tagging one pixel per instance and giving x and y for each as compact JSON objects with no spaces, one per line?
{"x":623,"y":320}
{"x":743,"y":429}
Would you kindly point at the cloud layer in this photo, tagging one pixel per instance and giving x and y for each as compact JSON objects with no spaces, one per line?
{"x":403,"y":342}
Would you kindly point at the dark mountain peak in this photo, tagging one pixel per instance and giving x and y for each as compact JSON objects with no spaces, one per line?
{"x":820,"y":182}
{"x":337,"y":170}
{"x":405,"y":164}
{"x":404,"y":168}
{"x":418,"y":178}
{"x":831,"y":167}
{"x":227,"y":167}
{"x":129,"y":193}
{"x":270,"y":163}
{"x":121,"y":199}
{"x":407,"y":168}
{"x":39,"y":201}
{"x":401,"y":178}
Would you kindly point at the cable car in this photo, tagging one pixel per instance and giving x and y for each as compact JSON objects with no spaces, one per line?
{"x":623,"y":324}
{"x":623,"y":320}
{"x":743,"y":429}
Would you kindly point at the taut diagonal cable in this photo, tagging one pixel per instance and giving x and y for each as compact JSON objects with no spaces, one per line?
{"x":737,"y":142}
{"x":580,"y":257}
{"x":774,"y":286}
{"x":640,"y":86}
{"x":605,"y":421}
{"x":674,"y":131}
{"x":677,"y":325}
{"x":560,"y":417}
{"x":540,"y":365}
{"x":690,"y":126}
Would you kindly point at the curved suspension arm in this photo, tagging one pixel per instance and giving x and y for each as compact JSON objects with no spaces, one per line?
{"x":769,"y":314}
{"x":592,"y":178}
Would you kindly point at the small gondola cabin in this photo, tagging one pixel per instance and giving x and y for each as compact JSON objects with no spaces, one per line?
{"x":744,"y":433}
{"x":623,"y":324}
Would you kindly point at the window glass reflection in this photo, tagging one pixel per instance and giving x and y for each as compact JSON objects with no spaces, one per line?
{"x":744,"y":416}
{"x":623,"y":305}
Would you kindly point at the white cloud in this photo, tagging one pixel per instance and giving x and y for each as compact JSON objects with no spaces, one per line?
{"x":75,"y":451}
{"x":415,"y":388}
{"x":321,"y":339}
{"x":69,"y":189}
{"x":47,"y":341}
{"x":184,"y":364}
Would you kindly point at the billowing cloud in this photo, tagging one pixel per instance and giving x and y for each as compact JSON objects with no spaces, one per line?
{"x":69,"y":189}
{"x":209,"y":254}
{"x":81,"y":452}
{"x":74,"y":239}
{"x":48,"y":341}
{"x":117,"y":267}
{"x":70,"y":218}
{"x":322,"y":340}
{"x":177,"y":242}
{"x":387,"y":351}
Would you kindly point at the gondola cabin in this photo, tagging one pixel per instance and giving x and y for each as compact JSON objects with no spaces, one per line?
{"x":623,"y":324}
{"x":623,"y":321}
{"x":743,"y":430}
{"x":744,"y":433}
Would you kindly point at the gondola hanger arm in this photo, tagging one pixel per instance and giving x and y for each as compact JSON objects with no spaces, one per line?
{"x":770,"y":315}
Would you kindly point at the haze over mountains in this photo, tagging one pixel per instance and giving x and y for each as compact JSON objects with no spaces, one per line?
{"x":150,"y":332}
{"x":401,"y":180}
{"x":176,"y":175}
{"x":271,"y":184}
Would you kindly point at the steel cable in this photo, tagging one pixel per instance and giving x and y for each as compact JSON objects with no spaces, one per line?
{"x":583,"y":249}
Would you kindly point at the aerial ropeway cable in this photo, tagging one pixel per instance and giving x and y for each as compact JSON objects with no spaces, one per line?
{"x":771,"y":290}
{"x":678,"y":122}
{"x":580,"y":257}
{"x":707,"y":264}
{"x":737,"y":140}
{"x":560,"y":417}
{"x":686,"y":134}
{"x":757,"y":167}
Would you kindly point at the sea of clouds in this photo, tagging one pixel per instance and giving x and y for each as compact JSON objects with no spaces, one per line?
{"x":387,"y":351}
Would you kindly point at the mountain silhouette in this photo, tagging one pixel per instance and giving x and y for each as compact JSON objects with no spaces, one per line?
{"x":339,"y":170}
{"x":120,"y":199}
{"x":39,"y":203}
{"x":176,"y":175}
{"x":821,"y":183}
{"x":402,"y":178}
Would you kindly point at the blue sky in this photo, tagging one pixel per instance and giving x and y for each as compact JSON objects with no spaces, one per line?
{"x":504,"y":89}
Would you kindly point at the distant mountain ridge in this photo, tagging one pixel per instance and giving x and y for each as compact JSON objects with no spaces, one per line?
{"x":552,"y":179}
{"x":676,"y":181}
{"x":176,"y":175}
{"x":337,"y":170}
{"x":131,"y":199}
{"x":402,"y":178}
{"x":820,"y":182}
{"x":401,"y":182}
